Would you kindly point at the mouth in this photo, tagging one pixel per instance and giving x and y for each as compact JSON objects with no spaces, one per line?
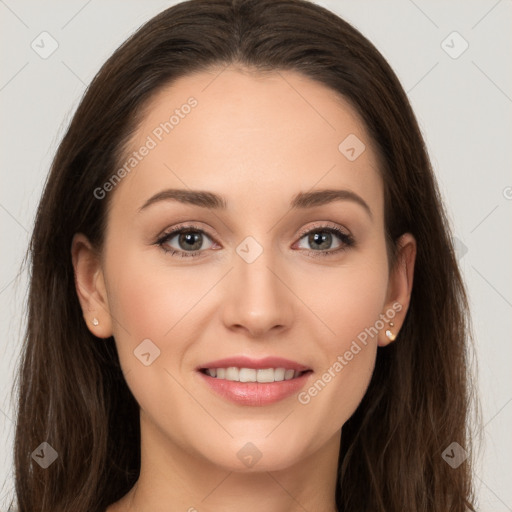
{"x":262,"y":375}
{"x":254,"y":382}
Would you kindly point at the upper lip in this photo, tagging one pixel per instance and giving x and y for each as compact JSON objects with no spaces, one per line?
{"x":247,"y":362}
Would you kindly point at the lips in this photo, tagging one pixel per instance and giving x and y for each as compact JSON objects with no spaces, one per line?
{"x":255,"y":393}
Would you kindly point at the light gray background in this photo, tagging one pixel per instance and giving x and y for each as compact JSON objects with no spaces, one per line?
{"x":464,"y":107}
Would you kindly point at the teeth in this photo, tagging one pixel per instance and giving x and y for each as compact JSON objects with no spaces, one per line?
{"x":252,"y":375}
{"x":279,"y":374}
{"x":232,"y":373}
{"x":268,"y":375}
{"x":289,"y":374}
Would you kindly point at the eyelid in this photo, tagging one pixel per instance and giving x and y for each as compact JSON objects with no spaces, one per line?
{"x":321,"y":225}
{"x":191,"y":226}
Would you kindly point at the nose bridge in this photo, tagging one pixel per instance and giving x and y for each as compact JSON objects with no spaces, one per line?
{"x":258,"y":300}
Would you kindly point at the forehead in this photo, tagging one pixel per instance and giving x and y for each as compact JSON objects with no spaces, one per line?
{"x":253,"y":133}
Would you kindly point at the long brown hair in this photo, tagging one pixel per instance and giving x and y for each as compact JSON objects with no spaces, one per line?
{"x":72,"y":393}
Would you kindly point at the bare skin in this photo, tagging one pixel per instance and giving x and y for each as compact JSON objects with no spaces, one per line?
{"x":254,"y":140}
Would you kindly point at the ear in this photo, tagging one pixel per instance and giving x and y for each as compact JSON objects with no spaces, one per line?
{"x":399,"y":288}
{"x":90,"y":286}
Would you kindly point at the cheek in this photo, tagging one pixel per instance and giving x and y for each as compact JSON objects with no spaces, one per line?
{"x":349,"y":301}
{"x":149,"y":301}
{"x":152,"y":300}
{"x":149,"y":297}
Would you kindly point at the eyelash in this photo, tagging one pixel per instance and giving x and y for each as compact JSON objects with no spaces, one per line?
{"x":346,"y":239}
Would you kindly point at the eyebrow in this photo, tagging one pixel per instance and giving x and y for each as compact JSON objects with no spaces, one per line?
{"x":302,"y":200}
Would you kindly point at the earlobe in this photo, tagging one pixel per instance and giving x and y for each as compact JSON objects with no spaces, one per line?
{"x":399,"y":289}
{"x":90,"y":286}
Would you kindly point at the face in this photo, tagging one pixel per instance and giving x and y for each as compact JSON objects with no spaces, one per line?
{"x":261,"y":265}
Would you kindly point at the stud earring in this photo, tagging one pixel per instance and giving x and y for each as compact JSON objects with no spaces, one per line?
{"x":95,"y":321}
{"x":389,"y":334}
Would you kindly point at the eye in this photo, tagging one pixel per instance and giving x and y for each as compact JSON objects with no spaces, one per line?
{"x":321,"y":238}
{"x":189,"y":241}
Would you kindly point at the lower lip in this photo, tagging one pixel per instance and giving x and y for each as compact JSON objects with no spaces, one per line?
{"x":255,"y":393}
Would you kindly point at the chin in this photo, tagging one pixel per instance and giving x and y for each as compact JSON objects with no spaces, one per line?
{"x":258,"y":456}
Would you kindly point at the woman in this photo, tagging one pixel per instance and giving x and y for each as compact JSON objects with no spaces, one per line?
{"x":189,"y":345}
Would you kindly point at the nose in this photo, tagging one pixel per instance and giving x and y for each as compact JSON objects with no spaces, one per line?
{"x":258,"y":298}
